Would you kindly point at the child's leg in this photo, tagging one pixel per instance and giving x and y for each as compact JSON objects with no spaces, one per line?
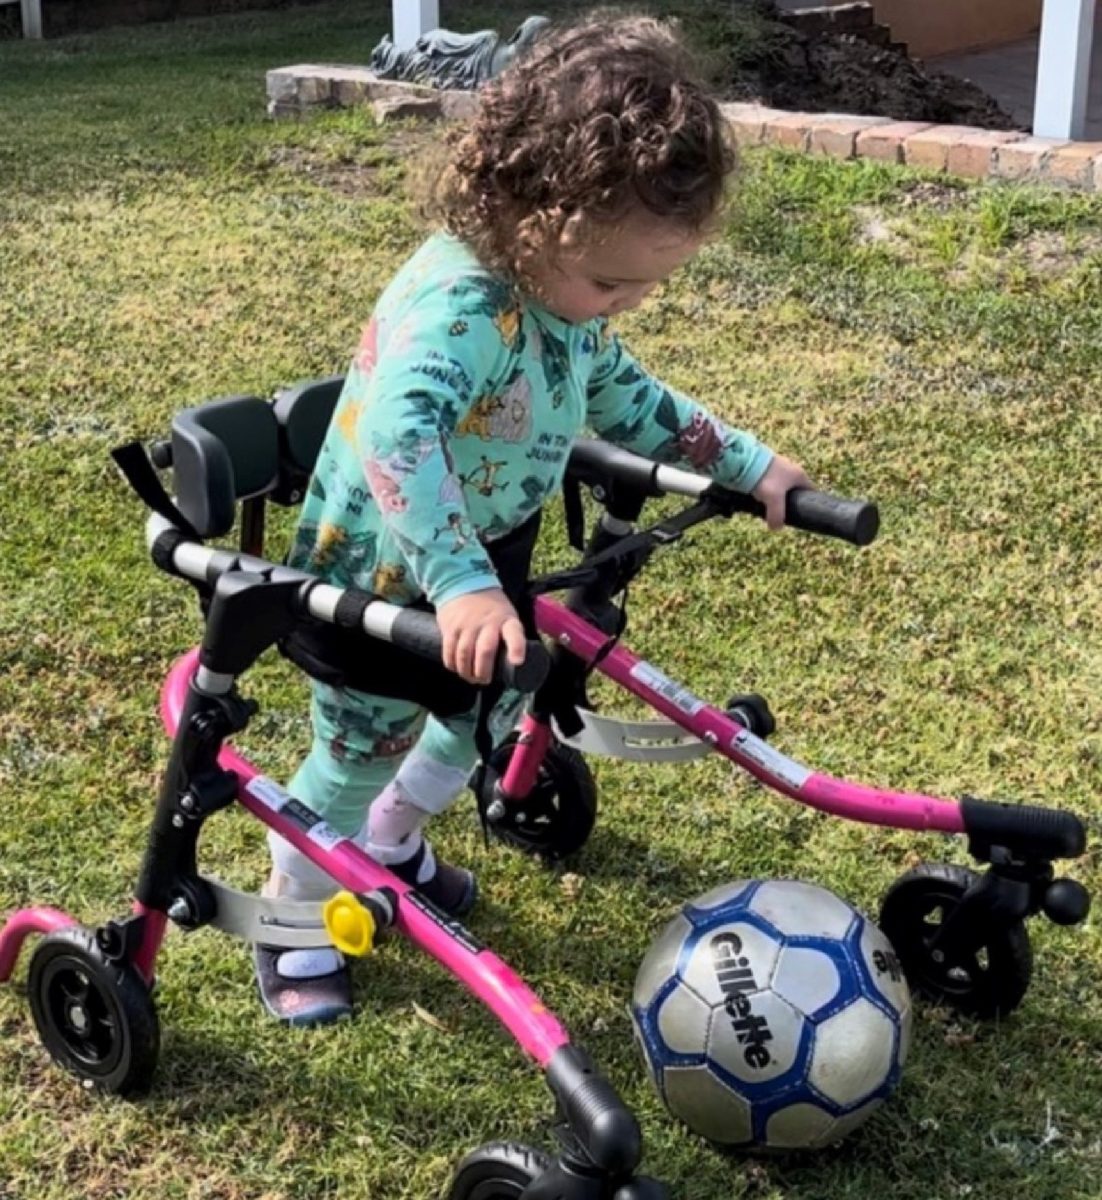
{"x":361,"y":761}
{"x":430,"y":780}
{"x":360,"y":764}
{"x":359,"y":744}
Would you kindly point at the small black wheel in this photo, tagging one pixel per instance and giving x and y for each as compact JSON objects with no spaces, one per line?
{"x":752,"y":711}
{"x":497,"y":1171}
{"x":989,"y":981}
{"x":95,"y":1017}
{"x":557,"y":816}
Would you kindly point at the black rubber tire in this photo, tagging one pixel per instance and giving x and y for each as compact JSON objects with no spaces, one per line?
{"x":992,"y":982}
{"x":96,"y":1018}
{"x":558,"y":817}
{"x":497,"y":1171}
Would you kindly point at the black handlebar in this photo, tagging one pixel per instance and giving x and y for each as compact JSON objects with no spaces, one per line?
{"x":417,"y":631}
{"x":411,"y":629}
{"x":853,"y":521}
{"x":598,"y":464}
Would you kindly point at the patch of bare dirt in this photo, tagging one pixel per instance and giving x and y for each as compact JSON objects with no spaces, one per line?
{"x":1050,"y":252}
{"x":356,"y":175}
{"x":847,"y":74}
{"x":768,"y":59}
{"x":346,"y":177}
{"x":933,"y":193}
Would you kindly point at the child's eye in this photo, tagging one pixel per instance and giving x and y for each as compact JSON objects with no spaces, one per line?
{"x":601,"y":286}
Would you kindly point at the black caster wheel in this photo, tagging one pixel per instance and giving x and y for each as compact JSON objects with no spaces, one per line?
{"x":497,"y":1171}
{"x":96,"y":1018}
{"x":989,"y":981}
{"x":557,"y":817}
{"x":752,"y":712}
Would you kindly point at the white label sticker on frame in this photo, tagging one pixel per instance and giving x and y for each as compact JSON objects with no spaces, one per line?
{"x":268,"y":792}
{"x":779,"y":765}
{"x":324,"y":835}
{"x":667,"y":688}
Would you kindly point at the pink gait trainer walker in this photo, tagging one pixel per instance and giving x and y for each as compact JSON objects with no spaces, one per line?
{"x":959,"y":935}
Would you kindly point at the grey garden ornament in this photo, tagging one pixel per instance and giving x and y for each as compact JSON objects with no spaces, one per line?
{"x":444,"y":59}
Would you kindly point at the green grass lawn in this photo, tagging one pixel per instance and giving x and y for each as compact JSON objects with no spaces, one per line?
{"x":935,"y":347}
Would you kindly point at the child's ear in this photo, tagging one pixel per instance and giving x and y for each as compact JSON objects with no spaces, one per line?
{"x":573,"y":232}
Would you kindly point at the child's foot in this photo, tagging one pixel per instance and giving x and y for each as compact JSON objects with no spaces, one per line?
{"x":453,"y":889}
{"x":303,"y":987}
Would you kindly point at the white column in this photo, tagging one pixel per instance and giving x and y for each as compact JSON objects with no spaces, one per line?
{"x":413,"y":18}
{"x":32,"y":18}
{"x":1063,"y":68}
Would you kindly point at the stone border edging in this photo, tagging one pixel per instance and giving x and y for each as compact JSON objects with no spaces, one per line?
{"x":294,"y":90}
{"x":957,"y":149}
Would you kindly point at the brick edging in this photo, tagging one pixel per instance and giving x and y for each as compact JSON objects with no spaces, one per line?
{"x":294,"y":90}
{"x":957,"y":149}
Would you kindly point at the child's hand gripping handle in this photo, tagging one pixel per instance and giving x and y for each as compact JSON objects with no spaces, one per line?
{"x":854,"y":521}
{"x":417,"y":631}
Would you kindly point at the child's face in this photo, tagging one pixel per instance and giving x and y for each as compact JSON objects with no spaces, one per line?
{"x":614,"y":271}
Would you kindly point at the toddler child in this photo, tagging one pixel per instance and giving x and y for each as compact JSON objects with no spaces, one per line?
{"x":595,"y":168}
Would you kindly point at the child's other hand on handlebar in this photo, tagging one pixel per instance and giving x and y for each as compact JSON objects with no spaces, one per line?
{"x":781,"y":476}
{"x":473,"y":626}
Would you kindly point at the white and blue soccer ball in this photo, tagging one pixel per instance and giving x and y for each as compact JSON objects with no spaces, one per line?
{"x":772,"y":1015}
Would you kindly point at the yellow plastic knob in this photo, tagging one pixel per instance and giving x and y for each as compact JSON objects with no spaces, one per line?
{"x":350,"y":925}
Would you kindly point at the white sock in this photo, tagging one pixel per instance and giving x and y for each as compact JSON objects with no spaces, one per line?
{"x":310,"y":963}
{"x":388,"y":856}
{"x":421,"y":788}
{"x":314,"y":960}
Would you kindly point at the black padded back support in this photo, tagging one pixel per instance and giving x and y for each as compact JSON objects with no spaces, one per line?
{"x":304,"y":412}
{"x":223,"y":452}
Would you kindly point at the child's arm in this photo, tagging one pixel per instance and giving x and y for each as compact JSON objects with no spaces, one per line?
{"x":631,"y":408}
{"x":406,"y":402}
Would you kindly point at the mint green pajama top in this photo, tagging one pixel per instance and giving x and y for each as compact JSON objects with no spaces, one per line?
{"x":455,"y":423}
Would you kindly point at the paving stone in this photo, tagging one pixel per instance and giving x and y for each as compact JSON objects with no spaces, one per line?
{"x":837,"y":136}
{"x":792,"y":130}
{"x":930,"y":147}
{"x":885,"y":142}
{"x":972,"y":153}
{"x":1073,"y":165}
{"x":747,"y":121}
{"x":1023,"y":160}
{"x":459,"y":105}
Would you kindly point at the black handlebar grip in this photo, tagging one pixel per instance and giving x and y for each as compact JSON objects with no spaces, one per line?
{"x":416,"y":630}
{"x":1024,"y":828}
{"x":855,"y":521}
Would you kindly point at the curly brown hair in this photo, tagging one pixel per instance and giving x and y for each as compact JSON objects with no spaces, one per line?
{"x":597,"y":119}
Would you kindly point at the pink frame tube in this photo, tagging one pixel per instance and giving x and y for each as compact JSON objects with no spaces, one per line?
{"x":22,"y":923}
{"x":853,"y":801}
{"x":484,"y":974}
{"x":524,"y":763}
{"x":153,"y":933}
